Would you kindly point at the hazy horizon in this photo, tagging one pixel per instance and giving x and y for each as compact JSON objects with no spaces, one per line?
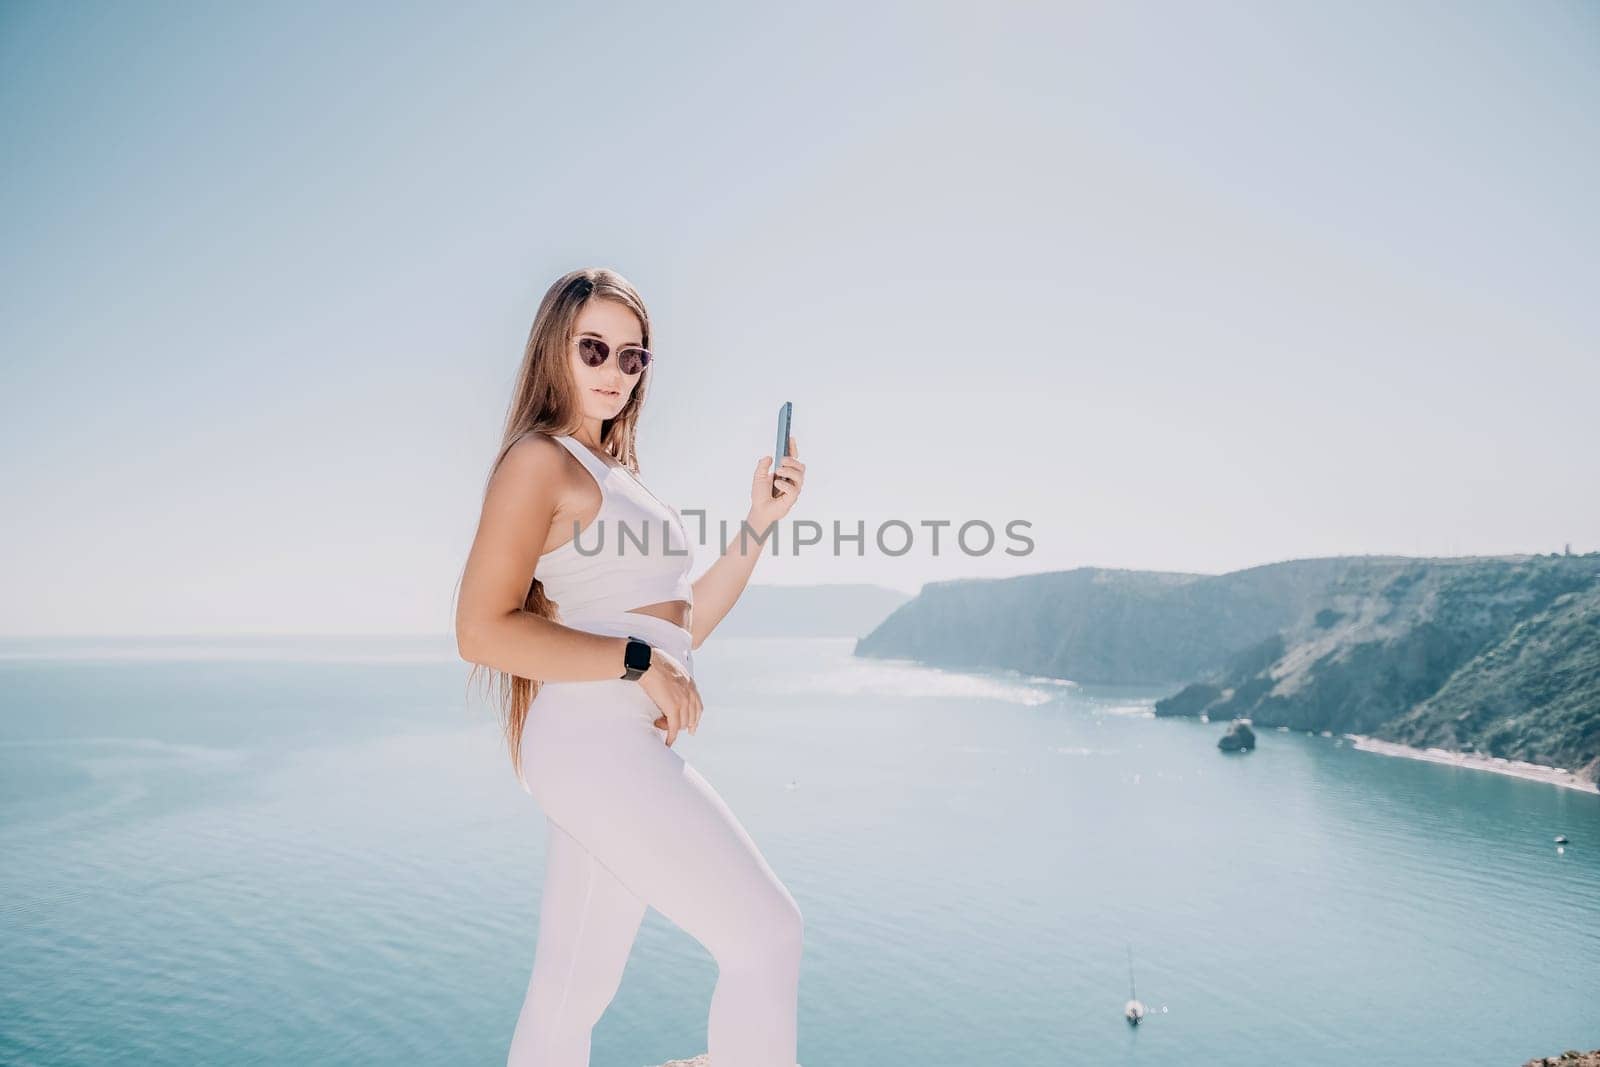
{"x":448,"y":632}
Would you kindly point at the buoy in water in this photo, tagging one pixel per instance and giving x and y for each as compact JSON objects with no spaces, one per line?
{"x":1561,"y":839}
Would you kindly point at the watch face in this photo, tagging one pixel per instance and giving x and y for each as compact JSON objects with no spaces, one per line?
{"x":637,"y":657}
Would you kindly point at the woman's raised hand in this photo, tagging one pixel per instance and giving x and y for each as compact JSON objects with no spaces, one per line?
{"x":674,"y":692}
{"x":785,"y":480}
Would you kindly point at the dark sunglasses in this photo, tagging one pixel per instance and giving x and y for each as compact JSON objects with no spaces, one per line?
{"x":631,"y":359}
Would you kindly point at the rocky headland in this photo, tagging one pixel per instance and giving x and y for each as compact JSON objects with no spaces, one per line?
{"x":1493,"y":660}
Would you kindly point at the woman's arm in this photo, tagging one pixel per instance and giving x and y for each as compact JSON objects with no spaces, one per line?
{"x":492,"y":628}
{"x":719,"y":588}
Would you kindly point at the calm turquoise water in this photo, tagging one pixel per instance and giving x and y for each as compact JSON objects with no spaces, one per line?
{"x":314,"y":852}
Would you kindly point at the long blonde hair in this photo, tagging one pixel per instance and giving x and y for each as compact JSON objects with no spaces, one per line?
{"x":545,"y":400}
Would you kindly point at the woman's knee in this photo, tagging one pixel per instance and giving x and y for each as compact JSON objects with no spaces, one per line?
{"x":772,"y":932}
{"x":787,"y":928}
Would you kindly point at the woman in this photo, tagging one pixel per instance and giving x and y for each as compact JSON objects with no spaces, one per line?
{"x":576,"y":591}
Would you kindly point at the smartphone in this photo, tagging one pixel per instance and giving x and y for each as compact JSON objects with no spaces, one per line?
{"x":782,"y":448}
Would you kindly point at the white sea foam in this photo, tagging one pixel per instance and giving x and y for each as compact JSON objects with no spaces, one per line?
{"x":905,"y":678}
{"x":1145,"y":710}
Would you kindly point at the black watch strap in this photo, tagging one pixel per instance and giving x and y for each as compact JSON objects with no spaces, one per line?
{"x":635,"y":659}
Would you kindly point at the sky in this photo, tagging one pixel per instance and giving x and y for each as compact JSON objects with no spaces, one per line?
{"x":1187,"y":287}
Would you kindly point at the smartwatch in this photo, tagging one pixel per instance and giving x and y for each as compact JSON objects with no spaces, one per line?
{"x":635,"y":659}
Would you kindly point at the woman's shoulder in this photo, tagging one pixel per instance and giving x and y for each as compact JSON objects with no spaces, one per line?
{"x":536,"y":443}
{"x":536,"y":453}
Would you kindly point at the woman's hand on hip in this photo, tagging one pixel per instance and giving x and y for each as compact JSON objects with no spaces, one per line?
{"x":674,"y":692}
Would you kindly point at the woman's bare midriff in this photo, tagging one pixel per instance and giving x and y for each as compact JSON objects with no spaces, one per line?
{"x":676,"y":612}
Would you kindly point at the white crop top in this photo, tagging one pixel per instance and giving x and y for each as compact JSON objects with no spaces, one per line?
{"x":635,"y":552}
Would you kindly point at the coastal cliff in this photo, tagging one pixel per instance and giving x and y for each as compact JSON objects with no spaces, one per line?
{"x":1494,"y":655}
{"x":1097,"y":625}
{"x":1499,"y":656}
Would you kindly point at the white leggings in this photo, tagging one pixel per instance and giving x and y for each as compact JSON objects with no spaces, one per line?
{"x":632,"y":824}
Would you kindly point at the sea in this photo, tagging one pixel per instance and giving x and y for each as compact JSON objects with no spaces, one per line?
{"x":312,"y":850}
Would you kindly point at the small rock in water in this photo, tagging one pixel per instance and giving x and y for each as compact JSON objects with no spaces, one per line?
{"x":1239,"y":738}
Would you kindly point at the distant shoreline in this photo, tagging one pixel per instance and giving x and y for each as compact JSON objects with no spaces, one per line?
{"x":1536,"y":772}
